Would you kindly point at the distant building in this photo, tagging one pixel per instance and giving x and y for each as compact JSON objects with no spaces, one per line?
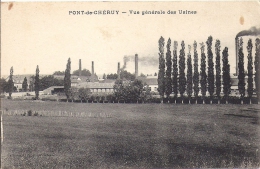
{"x":75,"y":80}
{"x":96,"y":87}
{"x":151,"y":81}
{"x":18,"y":81}
{"x":53,"y":90}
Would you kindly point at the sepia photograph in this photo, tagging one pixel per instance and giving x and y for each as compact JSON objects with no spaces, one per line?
{"x":115,"y":85}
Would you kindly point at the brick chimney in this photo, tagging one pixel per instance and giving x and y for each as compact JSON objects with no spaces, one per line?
{"x":136,"y":65}
{"x":79,"y":67}
{"x":118,"y":70}
{"x":92,"y":68}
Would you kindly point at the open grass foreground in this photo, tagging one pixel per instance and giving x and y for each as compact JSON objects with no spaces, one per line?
{"x":130,"y":135}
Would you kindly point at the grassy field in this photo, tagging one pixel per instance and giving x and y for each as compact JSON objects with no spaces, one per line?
{"x":129,"y":135}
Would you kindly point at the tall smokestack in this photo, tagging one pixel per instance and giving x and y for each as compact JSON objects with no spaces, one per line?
{"x":79,"y":67}
{"x":237,"y":47}
{"x":92,"y":68}
{"x":136,"y":65}
{"x":118,"y":70}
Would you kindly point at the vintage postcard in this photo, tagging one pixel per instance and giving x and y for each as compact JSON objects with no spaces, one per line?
{"x":130,"y":84}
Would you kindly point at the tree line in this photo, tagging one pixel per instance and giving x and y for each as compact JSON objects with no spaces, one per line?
{"x":177,"y":79}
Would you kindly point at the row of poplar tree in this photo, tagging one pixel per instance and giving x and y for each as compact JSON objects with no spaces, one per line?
{"x":172,"y":77}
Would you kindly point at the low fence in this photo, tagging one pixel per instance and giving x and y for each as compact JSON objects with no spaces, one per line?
{"x":153,"y":99}
{"x":185,"y":100}
{"x":55,"y":113}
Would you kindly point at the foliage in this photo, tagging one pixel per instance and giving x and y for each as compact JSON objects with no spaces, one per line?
{"x":112,"y":76}
{"x":3,"y":85}
{"x":48,"y":81}
{"x":241,"y":72}
{"x":142,"y":75}
{"x":189,"y":74}
{"x":146,"y":95}
{"x":125,"y":75}
{"x":203,"y":80}
{"x":250,"y":69}
{"x":129,"y":90}
{"x":155,"y":74}
{"x":25,"y":84}
{"x":84,"y":93}
{"x":37,"y":83}
{"x":196,"y":71}
{"x":136,"y":88}
{"x":168,"y":73}
{"x":218,"y":69}
{"x":175,"y":70}
{"x":257,"y":67}
{"x":73,"y":93}
{"x":29,"y":112}
{"x":226,"y":74}
{"x":67,"y":80}
{"x":210,"y":76}
{"x":133,"y":90}
{"x":119,"y":89}
{"x":84,"y":72}
{"x":161,"y":74}
{"x":111,"y":97}
{"x":182,"y":78}
{"x":92,"y":98}
{"x":11,"y":82}
{"x":59,"y":73}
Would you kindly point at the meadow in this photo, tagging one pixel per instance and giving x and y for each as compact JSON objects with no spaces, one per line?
{"x":96,"y":135}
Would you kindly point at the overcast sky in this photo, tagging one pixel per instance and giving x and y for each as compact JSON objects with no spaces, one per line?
{"x":44,"y":34}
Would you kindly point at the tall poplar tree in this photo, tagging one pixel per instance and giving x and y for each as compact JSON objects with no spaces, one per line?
{"x":37,"y":83}
{"x":67,"y":80}
{"x":161,"y":74}
{"x":175,"y":71}
{"x":203,"y":80}
{"x":210,"y":68}
{"x":196,"y":72}
{"x":241,"y":71}
{"x":182,"y":78}
{"x":218,"y":69}
{"x":189,"y":75}
{"x":226,"y":74}
{"x":25,"y":84}
{"x":257,"y":68}
{"x":11,"y":82}
{"x":250,"y":69}
{"x":168,"y":79}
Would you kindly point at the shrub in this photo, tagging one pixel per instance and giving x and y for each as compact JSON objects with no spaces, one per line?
{"x":29,"y":112}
